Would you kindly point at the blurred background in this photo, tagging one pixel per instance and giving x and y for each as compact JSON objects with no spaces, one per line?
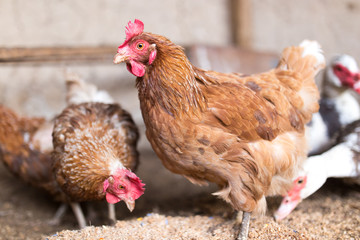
{"x":41,"y":39}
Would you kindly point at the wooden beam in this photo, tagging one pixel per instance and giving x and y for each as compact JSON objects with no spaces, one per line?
{"x":242,"y":22}
{"x":46,"y":54}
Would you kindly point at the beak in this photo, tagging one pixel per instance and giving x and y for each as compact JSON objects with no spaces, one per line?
{"x":286,"y":207}
{"x":130,"y":204}
{"x":120,"y":57}
{"x":357,"y":87}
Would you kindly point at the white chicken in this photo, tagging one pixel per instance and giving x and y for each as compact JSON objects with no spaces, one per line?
{"x":340,"y":161}
{"x":338,"y":104}
{"x":335,"y":126}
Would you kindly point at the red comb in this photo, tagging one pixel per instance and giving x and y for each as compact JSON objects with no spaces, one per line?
{"x":133,"y":29}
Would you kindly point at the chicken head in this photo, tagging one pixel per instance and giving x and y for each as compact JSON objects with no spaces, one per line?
{"x":125,"y":186}
{"x":310,"y":179}
{"x":135,"y":51}
{"x":344,"y":72}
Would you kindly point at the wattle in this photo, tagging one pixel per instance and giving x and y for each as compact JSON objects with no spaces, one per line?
{"x":138,"y":69}
{"x":110,"y":198}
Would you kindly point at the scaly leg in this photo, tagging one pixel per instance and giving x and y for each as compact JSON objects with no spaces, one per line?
{"x":59,"y":214}
{"x":244,"y":227}
{"x":78,"y":214}
{"x":112,"y":216}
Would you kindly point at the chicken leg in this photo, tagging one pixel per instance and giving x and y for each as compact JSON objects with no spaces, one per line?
{"x":112,"y":216}
{"x":59,"y":214}
{"x":244,"y":227}
{"x":78,"y":214}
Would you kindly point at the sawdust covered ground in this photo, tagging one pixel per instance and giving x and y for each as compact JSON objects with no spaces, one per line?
{"x":172,"y":208}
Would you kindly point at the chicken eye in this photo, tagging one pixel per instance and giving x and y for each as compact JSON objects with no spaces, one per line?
{"x":300,"y":181}
{"x":121,"y":187}
{"x":140,"y":46}
{"x":338,"y":68}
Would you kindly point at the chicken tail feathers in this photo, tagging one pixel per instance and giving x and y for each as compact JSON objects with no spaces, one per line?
{"x":78,"y":91}
{"x":305,"y":61}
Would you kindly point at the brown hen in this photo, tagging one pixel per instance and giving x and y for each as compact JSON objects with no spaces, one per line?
{"x":92,"y":158}
{"x":95,"y":150}
{"x":245,"y":133}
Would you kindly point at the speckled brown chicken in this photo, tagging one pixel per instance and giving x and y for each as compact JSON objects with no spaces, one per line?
{"x":95,"y":150}
{"x":245,"y":133}
{"x":92,"y":142}
{"x":87,"y":153}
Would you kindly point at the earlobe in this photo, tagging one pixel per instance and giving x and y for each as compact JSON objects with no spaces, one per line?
{"x":152,"y":54}
{"x":106,"y":185}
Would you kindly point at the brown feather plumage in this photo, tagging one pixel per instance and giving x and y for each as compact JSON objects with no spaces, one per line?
{"x":106,"y":130}
{"x":25,"y":148}
{"x":245,"y":133}
{"x":73,"y":157}
{"x":90,"y":140}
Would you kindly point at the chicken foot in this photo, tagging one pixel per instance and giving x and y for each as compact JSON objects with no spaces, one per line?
{"x":78,"y":214}
{"x":244,"y":227}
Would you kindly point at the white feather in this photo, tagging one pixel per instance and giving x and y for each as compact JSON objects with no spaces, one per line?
{"x":313,"y":48}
